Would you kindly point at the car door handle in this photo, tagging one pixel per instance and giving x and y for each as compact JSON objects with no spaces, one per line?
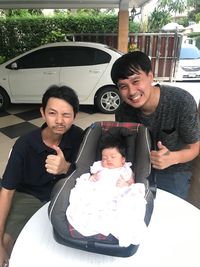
{"x":49,"y":72}
{"x":94,"y":71}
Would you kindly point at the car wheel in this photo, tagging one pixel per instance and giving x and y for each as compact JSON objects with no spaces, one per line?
{"x":108,"y":100}
{"x":4,"y":99}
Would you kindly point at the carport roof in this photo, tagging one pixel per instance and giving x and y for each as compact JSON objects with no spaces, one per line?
{"x":62,"y":4}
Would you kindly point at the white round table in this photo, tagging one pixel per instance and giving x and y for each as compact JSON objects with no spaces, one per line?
{"x":172,"y":240}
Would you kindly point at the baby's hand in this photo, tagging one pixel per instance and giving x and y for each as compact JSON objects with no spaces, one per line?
{"x":94,"y":177}
{"x":121,"y":183}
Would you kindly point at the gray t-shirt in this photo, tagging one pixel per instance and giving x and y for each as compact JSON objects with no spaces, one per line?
{"x":175,"y":121}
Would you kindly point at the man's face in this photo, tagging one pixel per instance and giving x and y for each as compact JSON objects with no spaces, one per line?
{"x":59,"y":115}
{"x":136,"y":90}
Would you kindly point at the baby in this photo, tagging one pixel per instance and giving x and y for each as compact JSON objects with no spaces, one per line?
{"x":107,"y":200}
{"x":113,"y":158}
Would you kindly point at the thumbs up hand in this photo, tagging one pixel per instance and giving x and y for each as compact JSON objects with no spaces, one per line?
{"x":162,"y":158}
{"x":56,"y":164}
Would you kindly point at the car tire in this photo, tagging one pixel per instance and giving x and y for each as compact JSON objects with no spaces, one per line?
{"x":4,"y":99}
{"x":108,"y":100}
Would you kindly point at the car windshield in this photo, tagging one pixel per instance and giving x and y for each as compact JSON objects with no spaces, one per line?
{"x":189,"y":53}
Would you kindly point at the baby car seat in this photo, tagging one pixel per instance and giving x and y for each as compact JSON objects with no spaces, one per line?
{"x":138,"y":142}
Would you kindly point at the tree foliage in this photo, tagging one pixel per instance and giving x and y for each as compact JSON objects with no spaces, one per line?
{"x":176,"y":6}
{"x":197,"y":17}
{"x":195,"y":5}
{"x":158,"y":19}
{"x":162,"y":13}
{"x":8,"y":13}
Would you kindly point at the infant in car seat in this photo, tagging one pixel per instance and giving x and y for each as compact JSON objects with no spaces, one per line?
{"x":107,"y":200}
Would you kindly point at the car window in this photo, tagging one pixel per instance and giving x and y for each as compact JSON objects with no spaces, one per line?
{"x":62,"y":56}
{"x":43,"y":58}
{"x":83,"y":56}
{"x":101,"y":57}
{"x":189,"y":53}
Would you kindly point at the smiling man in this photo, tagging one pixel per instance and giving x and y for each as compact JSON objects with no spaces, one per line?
{"x":171,"y":115}
{"x":37,"y":161}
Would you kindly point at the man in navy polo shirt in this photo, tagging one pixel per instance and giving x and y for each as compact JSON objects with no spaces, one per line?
{"x":37,"y":161}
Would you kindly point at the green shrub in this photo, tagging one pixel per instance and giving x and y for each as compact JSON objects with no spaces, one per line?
{"x":21,"y":34}
{"x":2,"y":59}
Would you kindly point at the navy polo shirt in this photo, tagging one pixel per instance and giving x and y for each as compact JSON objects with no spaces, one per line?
{"x":25,"y":170}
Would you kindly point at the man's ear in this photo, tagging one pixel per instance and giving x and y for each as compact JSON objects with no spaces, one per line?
{"x":42,"y":112}
{"x":150,"y":75}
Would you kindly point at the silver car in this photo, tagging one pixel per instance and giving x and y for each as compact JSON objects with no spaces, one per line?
{"x":189,"y":63}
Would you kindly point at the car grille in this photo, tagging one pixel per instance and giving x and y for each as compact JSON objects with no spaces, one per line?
{"x":191,"y":76}
{"x":191,"y":68}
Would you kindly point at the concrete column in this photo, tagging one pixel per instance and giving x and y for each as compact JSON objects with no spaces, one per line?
{"x":123,"y":23}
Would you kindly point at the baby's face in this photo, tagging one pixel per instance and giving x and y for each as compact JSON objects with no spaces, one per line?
{"x":111,"y":158}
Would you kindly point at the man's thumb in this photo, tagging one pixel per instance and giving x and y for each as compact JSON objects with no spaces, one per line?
{"x":160,"y":145}
{"x":58,"y":150}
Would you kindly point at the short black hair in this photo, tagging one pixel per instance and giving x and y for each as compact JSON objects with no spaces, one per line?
{"x":62,"y":92}
{"x":129,"y":64}
{"x":110,"y":141}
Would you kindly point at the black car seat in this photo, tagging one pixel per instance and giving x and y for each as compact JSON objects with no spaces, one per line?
{"x":138,"y":142}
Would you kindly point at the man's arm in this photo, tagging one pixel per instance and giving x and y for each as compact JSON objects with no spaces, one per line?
{"x":6,"y":197}
{"x":164,"y":158}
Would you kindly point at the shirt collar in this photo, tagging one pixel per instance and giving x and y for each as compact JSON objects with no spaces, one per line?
{"x":39,"y":146}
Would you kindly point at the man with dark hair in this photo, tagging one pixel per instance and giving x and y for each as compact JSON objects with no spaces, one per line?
{"x":169,"y":112}
{"x":37,"y":161}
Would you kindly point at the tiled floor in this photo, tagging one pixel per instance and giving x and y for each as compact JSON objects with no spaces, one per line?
{"x":20,"y":119}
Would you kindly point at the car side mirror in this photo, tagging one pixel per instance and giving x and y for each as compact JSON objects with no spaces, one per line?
{"x":14,"y":66}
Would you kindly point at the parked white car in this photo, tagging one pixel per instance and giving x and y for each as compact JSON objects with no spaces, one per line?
{"x":83,"y":66}
{"x":189,"y":63}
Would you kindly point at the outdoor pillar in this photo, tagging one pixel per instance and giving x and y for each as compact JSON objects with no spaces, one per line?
{"x":123,"y":29}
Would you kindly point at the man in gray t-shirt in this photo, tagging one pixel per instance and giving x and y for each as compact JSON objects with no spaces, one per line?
{"x":171,"y":115}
